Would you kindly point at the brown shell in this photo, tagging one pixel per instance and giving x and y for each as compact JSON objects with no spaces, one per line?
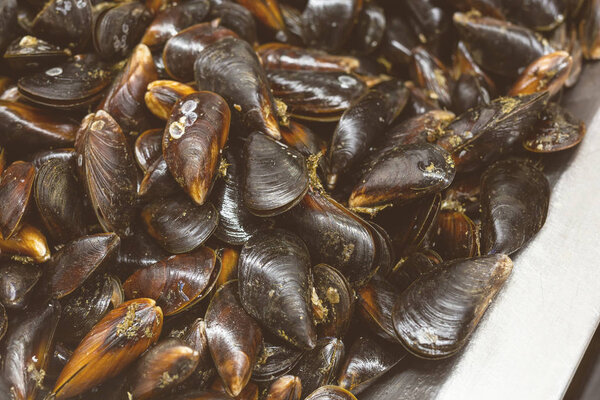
{"x":16,"y":185}
{"x":162,"y":96}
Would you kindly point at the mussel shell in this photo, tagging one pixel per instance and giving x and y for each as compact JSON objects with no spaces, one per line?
{"x":124,"y":100}
{"x":112,"y":344}
{"x":29,"y":53}
{"x":276,"y":176}
{"x":334,"y":236}
{"x":162,"y":96}
{"x":320,"y":365}
{"x":366,"y":360}
{"x":399,"y":40}
{"x":556,"y":130}
{"x":3,"y":329}
{"x":332,"y":301}
{"x":170,"y":21}
{"x":24,"y":126}
{"x":196,"y":394}
{"x":229,"y":265}
{"x":73,"y":85}
{"x":67,"y":23}
{"x":196,"y":338}
{"x":109,"y":171}
{"x":292,"y":17}
{"x":436,"y":315}
{"x":431,"y":74}
{"x":41,"y":157}
{"x":138,"y":251}
{"x":234,"y":338}
{"x":16,"y":283}
{"x":187,"y":44}
{"x":303,"y":139}
{"x":60,"y":199}
{"x":235,"y":17}
{"x":541,"y":15}
{"x":421,"y":100}
{"x":87,"y":305}
{"x":427,"y":169}
{"x":483,"y":134}
{"x":119,"y":28}
{"x":231,"y":68}
{"x":418,"y":129}
{"x":368,"y":32}
{"x":148,"y":148}
{"x":165,"y":365}
{"x":548,"y":72}
{"x":330,"y":392}
{"x":484,"y":36}
{"x":469,"y":93}
{"x":275,"y":285}
{"x":275,"y":360}
{"x":327,"y":24}
{"x":276,"y":56}
{"x":514,"y":203}
{"x":236,"y":222}
{"x":455,"y":236}
{"x":176,"y":283}
{"x":321,"y":96}
{"x":287,"y":387}
{"x":374,"y":307}
{"x":16,"y":183}
{"x":158,"y":181}
{"x":178,"y":224}
{"x":8,"y":22}
{"x":267,"y":12}
{"x":589,"y":27}
{"x":77,"y":260}
{"x":195,"y":134}
{"x":250,"y":391}
{"x":27,"y":241}
{"x":386,"y":254}
{"x":26,"y":350}
{"x":410,"y":268}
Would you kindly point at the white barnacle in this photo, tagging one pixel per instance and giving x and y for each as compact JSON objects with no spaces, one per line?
{"x":176,"y":129}
{"x":97,"y":125}
{"x":188,"y":106}
{"x":54,"y":71}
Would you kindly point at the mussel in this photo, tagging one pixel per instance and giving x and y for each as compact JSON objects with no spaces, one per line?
{"x":556,"y":130}
{"x":275,"y":360}
{"x":17,"y":281}
{"x":287,"y":387}
{"x":374,"y":307}
{"x":327,"y":23}
{"x":368,"y":32}
{"x":27,"y":241}
{"x":235,"y":17}
{"x":267,"y":12}
{"x":64,"y":22}
{"x":275,"y":285}
{"x":589,"y":27}
{"x":162,"y":96}
{"x":16,"y":184}
{"x":330,"y":392}
{"x":148,"y":148}
{"x":31,"y":53}
{"x":455,"y":235}
{"x":8,"y":22}
{"x":283,"y":56}
{"x":549,"y":72}
{"x":332,"y":301}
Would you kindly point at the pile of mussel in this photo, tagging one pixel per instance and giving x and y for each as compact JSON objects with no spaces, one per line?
{"x":267,"y":199}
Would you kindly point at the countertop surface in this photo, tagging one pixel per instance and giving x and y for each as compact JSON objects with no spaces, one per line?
{"x":532,"y":338}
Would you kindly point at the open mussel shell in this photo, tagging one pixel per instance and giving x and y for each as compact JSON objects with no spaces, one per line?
{"x":109,"y":170}
{"x":484,"y":36}
{"x":110,"y":346}
{"x":362,"y":124}
{"x":74,"y":84}
{"x":454,"y":235}
{"x":83,"y":308}
{"x":427,"y":169}
{"x":275,"y":360}
{"x":162,"y":96}
{"x":29,"y":53}
{"x":275,"y":285}
{"x":514,"y":202}
{"x":188,"y":44}
{"x":330,"y":392}
{"x":16,"y":183}
{"x":556,"y":130}
{"x":410,"y":268}
{"x":8,"y":22}
{"x":231,"y":68}
{"x":367,"y":359}
{"x":236,"y":222}
{"x":374,"y":307}
{"x":235,"y":17}
{"x":549,"y":72}
{"x":287,"y":387}
{"x":167,"y":364}
{"x":77,"y":260}
{"x":276,"y":176}
{"x":589,"y":27}
{"x":437,"y":314}
{"x":234,"y":338}
{"x":16,"y":283}
{"x":174,"y":18}
{"x":178,"y":282}
{"x":320,"y":365}
{"x":60,"y":200}
{"x":26,"y":349}
{"x":431,"y":74}
{"x":117,"y":29}
{"x":483,"y":134}
{"x":25,"y":126}
{"x":178,"y":224}
{"x":321,"y":96}
{"x":368,"y":32}
{"x":332,"y":301}
{"x":148,"y":148}
{"x":328,"y":23}
{"x":27,"y":241}
{"x":334,"y":236}
{"x":276,"y":56}
{"x":64,"y":22}
{"x":195,"y":134}
{"x":124,"y":100}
